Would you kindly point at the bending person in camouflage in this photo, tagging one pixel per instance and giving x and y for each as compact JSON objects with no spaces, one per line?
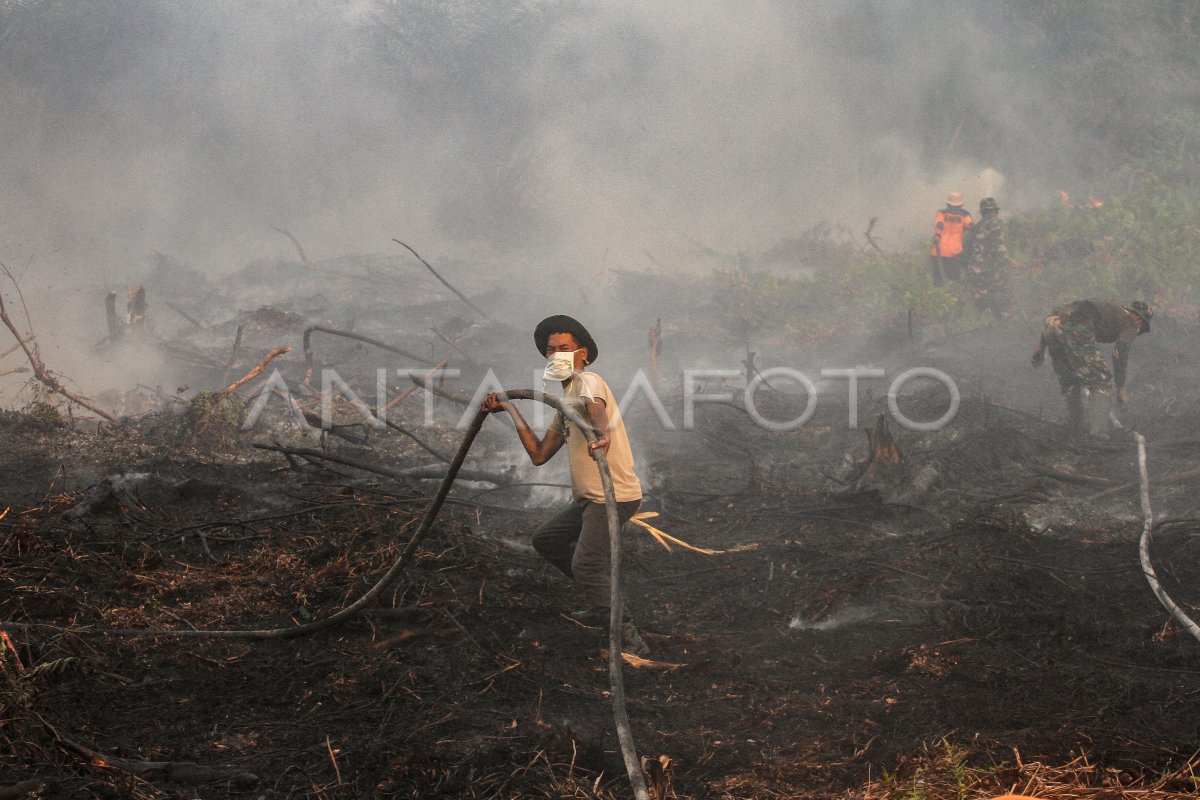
{"x":988,"y":268}
{"x":1073,"y":334}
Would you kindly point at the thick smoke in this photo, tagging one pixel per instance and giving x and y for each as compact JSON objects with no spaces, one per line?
{"x":560,"y":130}
{"x":584,"y":135}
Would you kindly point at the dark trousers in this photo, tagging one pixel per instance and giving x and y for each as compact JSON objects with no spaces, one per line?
{"x":949,"y":268}
{"x":576,"y":541}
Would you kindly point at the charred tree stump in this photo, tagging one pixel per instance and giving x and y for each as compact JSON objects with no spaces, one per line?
{"x":110,"y":313}
{"x":135,"y":309}
{"x":886,"y":475}
{"x":885,"y":462}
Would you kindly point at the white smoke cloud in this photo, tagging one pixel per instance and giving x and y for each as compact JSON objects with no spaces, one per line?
{"x":584,"y":135}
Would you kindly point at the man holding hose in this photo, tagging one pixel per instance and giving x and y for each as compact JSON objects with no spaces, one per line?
{"x":576,"y":540}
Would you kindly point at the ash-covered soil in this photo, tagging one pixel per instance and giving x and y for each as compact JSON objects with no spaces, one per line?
{"x":851,"y":622}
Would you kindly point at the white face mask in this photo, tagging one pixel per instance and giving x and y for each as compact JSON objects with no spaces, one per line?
{"x":560,"y":366}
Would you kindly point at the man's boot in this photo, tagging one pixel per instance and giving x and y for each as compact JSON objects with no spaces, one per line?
{"x":632,"y":641}
{"x":592,"y":617}
{"x":631,"y":637}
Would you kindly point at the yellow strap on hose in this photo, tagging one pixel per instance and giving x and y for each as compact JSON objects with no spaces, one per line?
{"x":665,"y":539}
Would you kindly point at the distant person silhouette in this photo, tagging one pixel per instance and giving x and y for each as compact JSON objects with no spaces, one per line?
{"x":987,"y":271}
{"x":951,"y":240}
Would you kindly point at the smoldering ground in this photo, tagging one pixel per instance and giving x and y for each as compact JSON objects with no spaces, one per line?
{"x":604,"y":161}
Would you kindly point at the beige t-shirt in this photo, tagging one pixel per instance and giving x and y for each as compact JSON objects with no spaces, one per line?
{"x":585,"y":472}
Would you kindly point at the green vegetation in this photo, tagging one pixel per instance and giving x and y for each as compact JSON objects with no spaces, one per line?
{"x":1140,"y":243}
{"x":213,"y":417}
{"x":42,"y":414}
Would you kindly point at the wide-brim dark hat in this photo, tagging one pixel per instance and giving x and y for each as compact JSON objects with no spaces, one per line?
{"x":561,"y":323}
{"x":1143,"y":310}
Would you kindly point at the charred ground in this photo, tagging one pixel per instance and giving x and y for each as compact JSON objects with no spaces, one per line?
{"x":999,"y":616}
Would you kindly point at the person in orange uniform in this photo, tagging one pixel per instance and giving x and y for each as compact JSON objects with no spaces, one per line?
{"x":951,"y":240}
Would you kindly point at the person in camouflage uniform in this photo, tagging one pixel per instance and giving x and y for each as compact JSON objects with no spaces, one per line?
{"x":1073,"y":333}
{"x":987,"y":272}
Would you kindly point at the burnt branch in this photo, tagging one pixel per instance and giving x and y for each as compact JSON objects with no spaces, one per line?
{"x":445,"y":282}
{"x":254,"y":373}
{"x":179,"y":771}
{"x":308,"y":353}
{"x":45,"y":376}
{"x":295,"y":242}
{"x":867,"y":234}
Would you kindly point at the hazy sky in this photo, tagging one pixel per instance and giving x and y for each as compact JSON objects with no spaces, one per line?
{"x":581,"y":133}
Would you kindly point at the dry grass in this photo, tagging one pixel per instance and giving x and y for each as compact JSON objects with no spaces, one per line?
{"x":947,"y":771}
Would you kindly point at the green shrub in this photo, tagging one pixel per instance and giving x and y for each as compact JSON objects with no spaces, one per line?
{"x":214,"y":416}
{"x":42,"y":414}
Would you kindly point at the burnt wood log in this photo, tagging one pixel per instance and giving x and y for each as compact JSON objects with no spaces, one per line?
{"x":445,"y":282}
{"x":308,"y":353}
{"x":254,"y":373}
{"x":110,"y":314}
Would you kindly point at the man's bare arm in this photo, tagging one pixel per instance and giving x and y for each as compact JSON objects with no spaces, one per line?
{"x":599,"y":417}
{"x":540,"y":450}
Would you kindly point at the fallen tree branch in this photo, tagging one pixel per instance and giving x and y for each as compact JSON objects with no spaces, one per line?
{"x":867,"y":234}
{"x":308,"y":354}
{"x":462,"y":398}
{"x":1144,"y":547}
{"x":177,"y":771}
{"x":445,"y":283}
{"x":418,"y":440}
{"x":404,"y":475}
{"x":45,"y":376}
{"x":194,"y":357}
{"x":339,"y":431}
{"x":400,"y":398}
{"x":1068,"y":477}
{"x":299,"y":249}
{"x":453,"y":344}
{"x":31,"y":787}
{"x":195,"y":322}
{"x":254,"y":373}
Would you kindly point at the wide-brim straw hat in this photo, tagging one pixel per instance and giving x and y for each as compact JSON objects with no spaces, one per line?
{"x":561,"y":323}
